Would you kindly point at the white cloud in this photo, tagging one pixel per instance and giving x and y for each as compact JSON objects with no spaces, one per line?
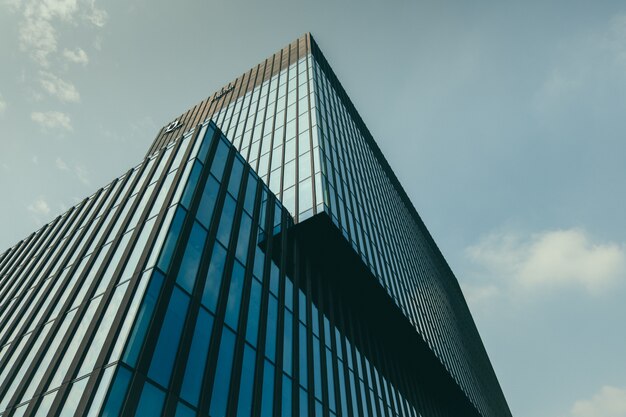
{"x":60,"y":164}
{"x":95,"y":15}
{"x":608,"y":402}
{"x":550,"y":259}
{"x":39,"y":207}
{"x":38,"y":38}
{"x":52,"y":120}
{"x":77,"y":56}
{"x":59,"y":88}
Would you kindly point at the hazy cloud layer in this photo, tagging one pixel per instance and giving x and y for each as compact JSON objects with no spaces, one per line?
{"x":59,"y":88}
{"x":52,"y":120}
{"x":544,"y":261}
{"x":60,"y":164}
{"x":76,"y":56}
{"x":608,"y":402}
{"x":39,"y":207}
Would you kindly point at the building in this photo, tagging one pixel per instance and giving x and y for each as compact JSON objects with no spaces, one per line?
{"x":262,"y":260}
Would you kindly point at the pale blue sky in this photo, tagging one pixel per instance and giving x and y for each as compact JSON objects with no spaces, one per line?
{"x":505,"y":121}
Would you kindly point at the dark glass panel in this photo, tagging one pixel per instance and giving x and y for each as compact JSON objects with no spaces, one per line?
{"x":172,"y":237}
{"x":303,"y":357}
{"x":214,"y":277}
{"x":288,"y":293}
{"x":192,"y":381}
{"x":304,"y":403}
{"x":207,"y":203}
{"x":143,"y":319}
{"x":206,"y":143}
{"x":221,"y":383}
{"x":226,"y":220}
{"x":151,"y":401}
{"x":244,"y":238}
{"x":183,"y":411}
{"x":233,"y":304}
{"x":248,"y":204}
{"x":270,"y":338}
{"x":244,"y":403}
{"x":286,"y":405}
{"x":331,"y":378}
{"x":317,"y":370}
{"x":267,"y":395}
{"x":252,"y":329}
{"x":219,"y":160}
{"x":288,"y":343}
{"x":119,"y":386}
{"x":235,"y":177}
{"x":167,"y":344}
{"x":190,"y":187}
{"x":191,"y":259}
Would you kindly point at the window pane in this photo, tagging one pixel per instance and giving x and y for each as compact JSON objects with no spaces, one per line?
{"x":244,"y":238}
{"x":219,"y":161}
{"x":167,"y":345}
{"x":191,"y":184}
{"x":143,"y":319}
{"x":270,"y":341}
{"x":170,"y":241}
{"x":221,"y":385}
{"x":118,"y":392}
{"x":206,"y":143}
{"x":192,"y":382}
{"x":207,"y":203}
{"x":235,"y":177}
{"x":234,"y":295}
{"x":151,"y":401}
{"x":214,"y":277}
{"x":287,"y":342}
{"x":267,"y":396}
{"x":303,"y":357}
{"x":252,"y":330}
{"x":250,"y":193}
{"x":191,"y":259}
{"x":226,"y":220}
{"x":244,"y":407}
{"x":286,"y":407}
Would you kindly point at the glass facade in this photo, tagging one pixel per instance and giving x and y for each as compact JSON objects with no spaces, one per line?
{"x":219,"y":277}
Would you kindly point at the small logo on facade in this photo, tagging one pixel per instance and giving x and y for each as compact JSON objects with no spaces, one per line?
{"x":223,"y":92}
{"x":173,"y":126}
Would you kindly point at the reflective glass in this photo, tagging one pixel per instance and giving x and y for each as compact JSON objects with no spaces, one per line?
{"x":250,"y":193}
{"x":214,"y":278}
{"x":191,"y":259}
{"x":143,"y":319}
{"x":286,"y":403}
{"x":235,"y":176}
{"x":207,"y":203}
{"x":219,"y":160}
{"x":118,"y":392}
{"x":244,"y":403}
{"x":267,"y":394}
{"x":303,"y":356}
{"x":254,"y":309}
{"x":172,"y":238}
{"x":245,"y":227}
{"x":190,"y":187}
{"x":183,"y":411}
{"x":287,"y":342}
{"x":167,"y":344}
{"x":270,"y":338}
{"x":234,"y":295}
{"x":206,"y":143}
{"x":151,"y":401}
{"x":221,"y":385}
{"x":192,"y":381}
{"x":226,"y":220}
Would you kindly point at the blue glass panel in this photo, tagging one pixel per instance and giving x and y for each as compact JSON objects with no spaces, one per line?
{"x":234,"y":295}
{"x":219,"y":398}
{"x":235,"y":176}
{"x":303,"y":356}
{"x":244,"y":238}
{"x":315,"y":320}
{"x":118,"y":392}
{"x":259,"y":261}
{"x":342,"y":390}
{"x":252,"y":330}
{"x":226,"y":220}
{"x":151,"y":401}
{"x":206,"y":143}
{"x":219,"y":161}
{"x":288,"y":293}
{"x":317,"y":370}
{"x":288,"y":342}
{"x":267,"y":395}
{"x":143,"y":319}
{"x":183,"y":411}
{"x":270,"y":338}
{"x":304,"y":403}
{"x":172,"y":237}
{"x":190,"y":187}
{"x":248,"y":204}
{"x":244,"y":403}
{"x":167,"y":344}
{"x":192,"y":381}
{"x":214,"y":277}
{"x":207,"y":203}
{"x":302,"y":306}
{"x":286,"y":406}
{"x":274,"y":272}
{"x":191,"y":259}
{"x":330,"y":377}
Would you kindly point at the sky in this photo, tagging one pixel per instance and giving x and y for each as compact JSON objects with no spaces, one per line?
{"x":504,"y":121}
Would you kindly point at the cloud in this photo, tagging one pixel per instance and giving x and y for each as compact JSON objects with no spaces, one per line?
{"x":59,"y":88}
{"x":77,"y":56}
{"x":547,"y":260}
{"x":82,"y":174}
{"x":52,"y":120}
{"x":608,"y":402}
{"x":60,"y":164}
{"x":39,"y":207}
